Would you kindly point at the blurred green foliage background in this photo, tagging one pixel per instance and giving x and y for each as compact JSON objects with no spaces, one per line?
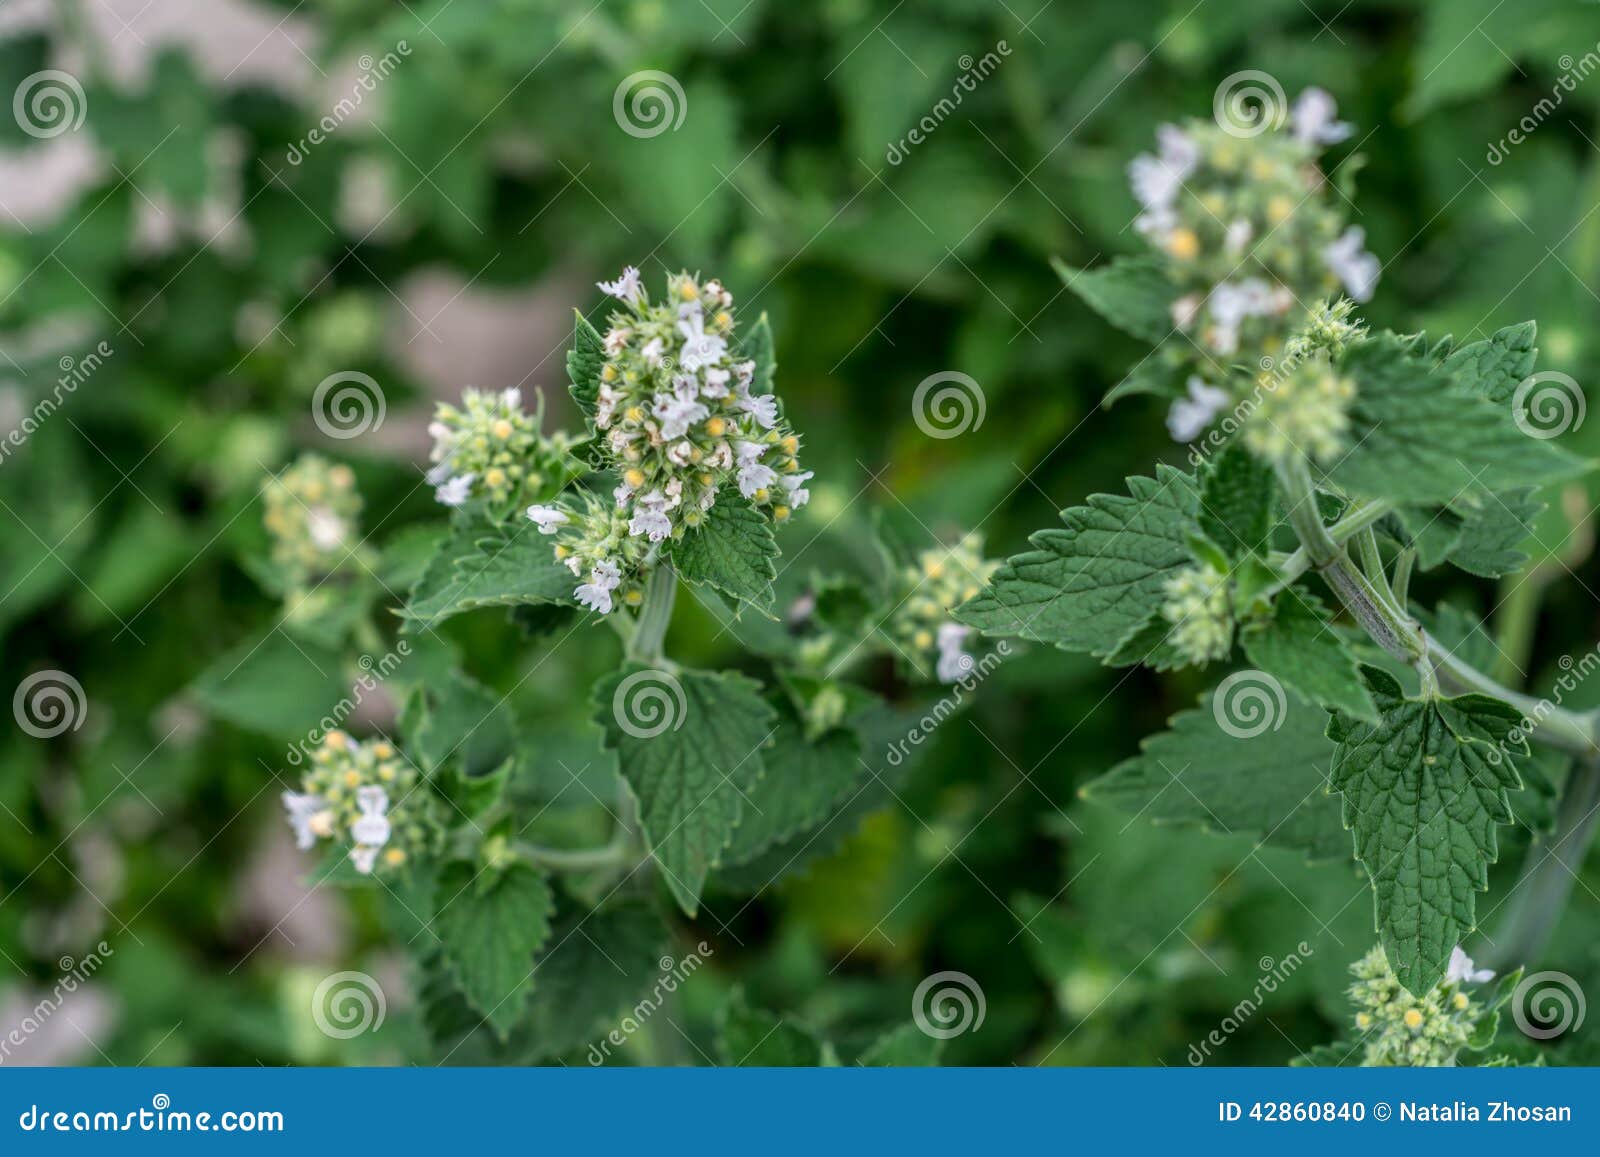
{"x":438,"y":238}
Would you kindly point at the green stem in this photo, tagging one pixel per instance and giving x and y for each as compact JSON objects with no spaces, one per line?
{"x":1352,"y":524}
{"x":1516,"y":620}
{"x":1401,"y":586}
{"x":1555,"y":726}
{"x":576,"y":859}
{"x":655,"y":614}
{"x":1549,"y":872}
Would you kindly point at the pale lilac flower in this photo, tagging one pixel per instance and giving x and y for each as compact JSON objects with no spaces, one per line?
{"x":595,"y":594}
{"x":1461,"y":970}
{"x":764,"y":409}
{"x":676,"y":415}
{"x":1186,"y":309}
{"x":700,"y":349}
{"x":625,"y":288}
{"x":303,"y":808}
{"x":1238,"y":235}
{"x":795,"y":485}
{"x":1189,"y":417}
{"x":652,"y":351}
{"x":455,"y":491}
{"x":1312,"y":119}
{"x":547,"y":518}
{"x":372,"y":826}
{"x":364,"y":857}
{"x":716,"y":383}
{"x":954,"y":662}
{"x":754,"y":476}
{"x":650,"y":517}
{"x":1352,"y":264}
{"x":749,"y":451}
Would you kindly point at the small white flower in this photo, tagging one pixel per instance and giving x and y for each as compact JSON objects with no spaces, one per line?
{"x":1186,"y":309}
{"x":746,"y":373}
{"x":1156,"y":178}
{"x":455,"y":490}
{"x":1231,"y":302}
{"x":596,"y":598}
{"x":1312,"y":119}
{"x":625,"y":288}
{"x":1461,"y":971}
{"x":511,"y":398}
{"x":326,"y":528}
{"x":1189,"y":417}
{"x":303,"y":807}
{"x":1238,"y":235}
{"x":617,"y":340}
{"x":622,"y":493}
{"x":547,"y":518}
{"x":795,"y":485}
{"x":748,"y":452}
{"x":680,"y":453}
{"x":754,"y":476}
{"x":716,"y":383}
{"x":720,"y":457}
{"x":700,"y":349}
{"x":650,"y":517}
{"x":372,"y":826}
{"x":438,"y":473}
{"x":652,"y":351}
{"x":676,"y":415}
{"x":1352,"y":264}
{"x":954,"y":662}
{"x":764,"y":409}
{"x":364,"y":858}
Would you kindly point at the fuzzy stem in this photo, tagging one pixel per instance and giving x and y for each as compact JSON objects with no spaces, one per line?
{"x":1548,"y":872}
{"x":650,"y":627}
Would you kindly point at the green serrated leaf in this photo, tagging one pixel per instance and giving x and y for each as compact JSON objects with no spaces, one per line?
{"x":1132,"y":293}
{"x":1416,"y":437}
{"x":490,"y":923}
{"x":482,"y":566}
{"x":1493,"y":368}
{"x":1237,"y":495}
{"x":905,"y":1047}
{"x":584,"y":361}
{"x":1299,"y":647}
{"x":689,"y":744}
{"x":275,"y":685}
{"x":758,"y":346}
{"x":732,"y":552}
{"x":1491,"y":532}
{"x":1152,"y":375}
{"x":1088,"y":586}
{"x":1267,"y":777}
{"x":1424,"y":790}
{"x":756,"y":1038}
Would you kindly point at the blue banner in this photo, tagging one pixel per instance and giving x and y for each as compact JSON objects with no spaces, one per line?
{"x":741,"y":1112}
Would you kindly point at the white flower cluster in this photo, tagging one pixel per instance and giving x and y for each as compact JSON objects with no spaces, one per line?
{"x":1201,"y":613}
{"x":1401,"y":1029}
{"x":311,"y":512}
{"x":1247,"y":227}
{"x":359,"y":790}
{"x":679,"y":419}
{"x":920,"y":626}
{"x":490,"y":448}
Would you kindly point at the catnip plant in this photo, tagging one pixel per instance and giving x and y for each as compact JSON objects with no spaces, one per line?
{"x":719,"y":780}
{"x":1329,"y":462}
